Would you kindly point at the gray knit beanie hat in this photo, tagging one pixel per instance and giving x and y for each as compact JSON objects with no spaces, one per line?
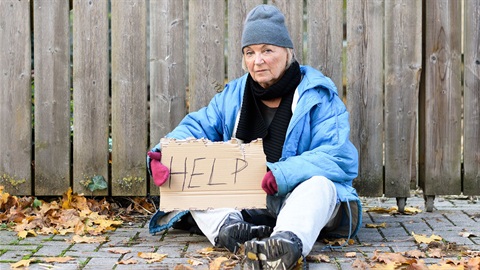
{"x":265,"y":24}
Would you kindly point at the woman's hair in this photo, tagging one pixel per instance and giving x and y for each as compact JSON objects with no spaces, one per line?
{"x":290,"y":59}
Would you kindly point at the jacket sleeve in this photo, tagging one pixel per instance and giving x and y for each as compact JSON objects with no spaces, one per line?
{"x":329,"y":153}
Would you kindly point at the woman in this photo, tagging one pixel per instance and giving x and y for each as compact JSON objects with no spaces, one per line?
{"x":303,"y":124}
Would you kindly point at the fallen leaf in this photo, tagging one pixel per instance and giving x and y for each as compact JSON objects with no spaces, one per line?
{"x":206,"y":251}
{"x":419,"y":265}
{"x":119,"y":251}
{"x":445,"y":266}
{"x":386,"y":266}
{"x":435,"y":253}
{"x":217,"y":263}
{"x":24,"y":234}
{"x":47,"y":230}
{"x":473,"y":263}
{"x":21,"y":263}
{"x":318,"y":258}
{"x":339,"y":242}
{"x":129,"y":261}
{"x":151,"y":257}
{"x":381,"y":225}
{"x":351,"y":254}
{"x":87,"y":239}
{"x":412,"y":210}
{"x":380,"y":210}
{"x":58,"y":259}
{"x":387,"y":257}
{"x":394,"y":210}
{"x":415,"y":254}
{"x":421,"y":238}
{"x":454,"y":262}
{"x":65,"y":231}
{"x":359,"y":264}
{"x":106,"y":223}
{"x":195,"y":262}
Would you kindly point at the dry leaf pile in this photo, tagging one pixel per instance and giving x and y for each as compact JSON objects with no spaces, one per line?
{"x":73,"y":213}
{"x":413,"y":260}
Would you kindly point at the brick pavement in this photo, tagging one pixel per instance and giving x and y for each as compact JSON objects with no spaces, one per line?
{"x":451,"y":215}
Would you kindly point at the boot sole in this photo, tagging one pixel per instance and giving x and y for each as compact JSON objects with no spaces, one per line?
{"x":271,"y":254}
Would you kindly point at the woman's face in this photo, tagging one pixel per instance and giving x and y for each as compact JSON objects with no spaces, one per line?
{"x":265,"y":63}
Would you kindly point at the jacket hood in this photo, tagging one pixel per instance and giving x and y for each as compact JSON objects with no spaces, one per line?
{"x":314,"y":79}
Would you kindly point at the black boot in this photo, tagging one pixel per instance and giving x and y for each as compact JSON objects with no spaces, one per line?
{"x":281,"y":251}
{"x":235,"y":232}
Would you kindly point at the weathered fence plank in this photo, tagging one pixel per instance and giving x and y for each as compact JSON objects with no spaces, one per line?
{"x":237,"y":12}
{"x":168,"y":80}
{"x":129,"y":97}
{"x":471,"y":148}
{"x":403,"y":62}
{"x":440,"y":150}
{"x":52,"y":97}
{"x":325,"y":44}
{"x":15,"y":97}
{"x":90,"y":95}
{"x":293,"y":11}
{"x":206,"y":49}
{"x":365,"y":90}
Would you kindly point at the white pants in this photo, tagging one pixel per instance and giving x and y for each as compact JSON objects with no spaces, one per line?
{"x":307,"y":209}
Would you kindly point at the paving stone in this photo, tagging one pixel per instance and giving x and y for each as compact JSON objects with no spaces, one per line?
{"x":322,"y":266}
{"x":369,"y":236}
{"x":173,"y":250}
{"x":19,"y":247}
{"x":8,"y":239}
{"x":103,"y":263}
{"x":35,"y":239}
{"x":51,"y":251}
{"x":15,"y":255}
{"x":92,"y":254}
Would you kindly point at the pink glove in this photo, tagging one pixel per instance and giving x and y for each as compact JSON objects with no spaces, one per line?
{"x":160,"y":172}
{"x":269,"y":184}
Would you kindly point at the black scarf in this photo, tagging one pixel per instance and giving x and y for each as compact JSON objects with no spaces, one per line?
{"x":251,"y":125}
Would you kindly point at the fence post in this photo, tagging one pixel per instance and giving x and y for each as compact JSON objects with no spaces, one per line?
{"x":129,"y":98}
{"x":440,"y":144}
{"x":206,"y":50}
{"x":15,"y":97}
{"x":90,"y":94}
{"x":52,"y":97}
{"x":325,"y":47}
{"x":168,"y":69}
{"x":365,"y":90}
{"x":471,"y":107}
{"x":403,"y":62}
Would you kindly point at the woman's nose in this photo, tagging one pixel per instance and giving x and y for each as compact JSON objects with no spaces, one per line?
{"x":258,"y":59}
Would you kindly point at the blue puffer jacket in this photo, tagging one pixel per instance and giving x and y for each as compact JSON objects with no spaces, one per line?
{"x":317,"y":141}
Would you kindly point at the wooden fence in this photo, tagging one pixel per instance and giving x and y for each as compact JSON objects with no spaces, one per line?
{"x":409,"y":72}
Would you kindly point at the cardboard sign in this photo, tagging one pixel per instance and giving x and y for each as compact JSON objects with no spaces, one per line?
{"x":205,"y":174}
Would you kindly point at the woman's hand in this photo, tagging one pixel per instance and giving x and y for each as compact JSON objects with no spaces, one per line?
{"x":269,"y":184}
{"x":160,"y":172}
